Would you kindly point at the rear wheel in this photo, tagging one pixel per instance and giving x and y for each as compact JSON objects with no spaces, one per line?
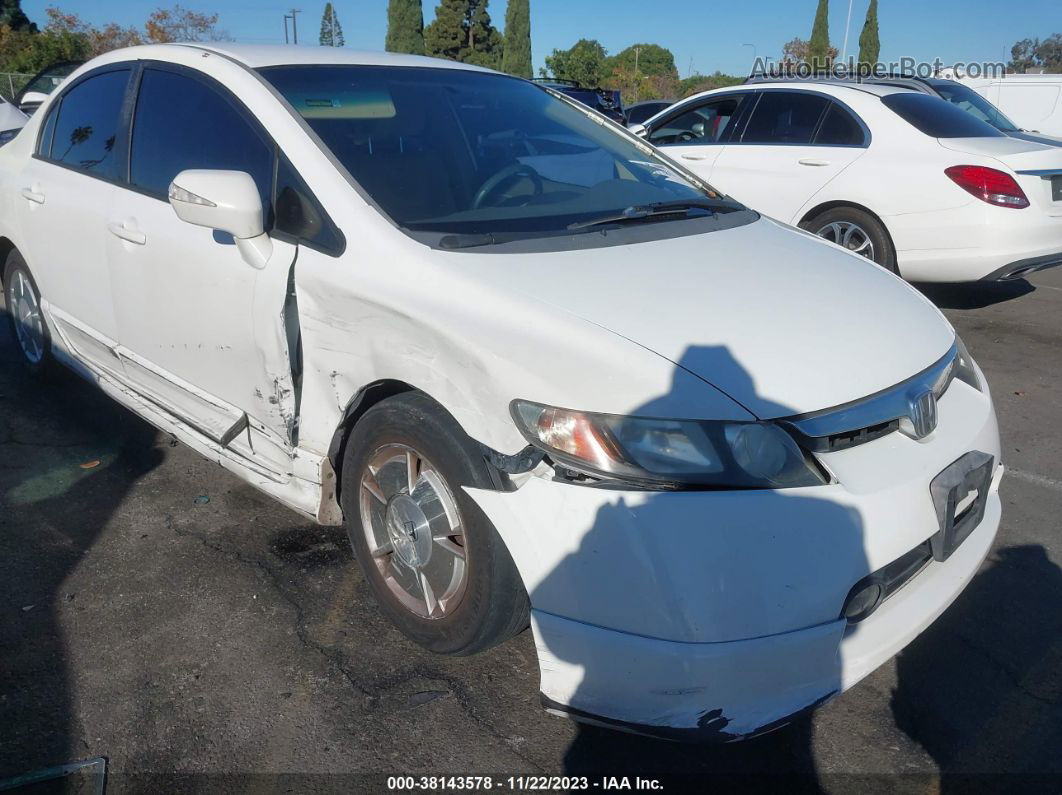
{"x":856,"y":230}
{"x":431,"y":558}
{"x":30,"y":332}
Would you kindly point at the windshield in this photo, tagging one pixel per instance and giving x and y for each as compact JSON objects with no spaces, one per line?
{"x":458,"y":151}
{"x":47,"y":80}
{"x":973,"y":103}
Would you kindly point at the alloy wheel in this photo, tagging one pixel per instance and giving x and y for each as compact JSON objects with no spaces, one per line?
{"x":413,"y":531}
{"x":850,"y":236}
{"x":25,"y":308}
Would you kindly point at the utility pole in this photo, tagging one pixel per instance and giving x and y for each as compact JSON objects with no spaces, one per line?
{"x":637,"y":52}
{"x":294,"y":25}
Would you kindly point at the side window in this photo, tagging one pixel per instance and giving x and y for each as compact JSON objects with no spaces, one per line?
{"x":180,"y":122}
{"x":298,"y":214}
{"x":85,"y":131}
{"x":705,"y":124}
{"x":44,"y":143}
{"x":784,"y":117}
{"x":839,"y":128}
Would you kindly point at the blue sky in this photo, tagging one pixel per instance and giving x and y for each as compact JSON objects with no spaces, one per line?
{"x":707,"y":35}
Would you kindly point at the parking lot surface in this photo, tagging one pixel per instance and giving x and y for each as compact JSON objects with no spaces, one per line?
{"x":162,"y":614}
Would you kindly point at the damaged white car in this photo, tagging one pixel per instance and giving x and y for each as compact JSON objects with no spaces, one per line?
{"x":542,"y":374}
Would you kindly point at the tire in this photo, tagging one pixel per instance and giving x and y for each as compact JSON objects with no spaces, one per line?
{"x":29,"y":331}
{"x":474,"y":597}
{"x":865,"y":234}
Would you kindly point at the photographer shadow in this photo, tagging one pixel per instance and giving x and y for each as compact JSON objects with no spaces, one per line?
{"x":798,"y":539}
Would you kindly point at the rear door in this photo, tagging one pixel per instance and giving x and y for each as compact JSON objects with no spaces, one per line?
{"x":202,"y":332}
{"x":65,"y":192}
{"x":694,"y":134}
{"x":792,"y":145}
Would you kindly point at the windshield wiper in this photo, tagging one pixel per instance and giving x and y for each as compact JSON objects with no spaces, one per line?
{"x":685,"y":208}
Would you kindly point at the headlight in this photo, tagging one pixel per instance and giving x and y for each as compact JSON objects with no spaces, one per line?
{"x":668,"y":453}
{"x":7,"y":135}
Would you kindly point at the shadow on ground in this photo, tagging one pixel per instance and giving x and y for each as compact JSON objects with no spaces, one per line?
{"x":974,"y":295}
{"x":68,"y":458}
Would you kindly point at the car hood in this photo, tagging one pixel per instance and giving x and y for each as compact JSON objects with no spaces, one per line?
{"x":781,"y":321}
{"x":1015,"y":153}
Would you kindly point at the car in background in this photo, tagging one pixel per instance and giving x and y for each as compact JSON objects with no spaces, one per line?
{"x":958,"y":94}
{"x":1033,"y":100}
{"x":11,"y":121}
{"x":643,"y":111}
{"x":42,"y":84}
{"x":541,"y":373}
{"x":904,"y":178}
{"x":604,"y":100}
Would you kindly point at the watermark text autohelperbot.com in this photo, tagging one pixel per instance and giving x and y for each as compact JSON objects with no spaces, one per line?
{"x":905,"y":67}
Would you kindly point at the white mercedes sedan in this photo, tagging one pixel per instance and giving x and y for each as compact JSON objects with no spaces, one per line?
{"x":543,"y":374}
{"x":906,"y":179}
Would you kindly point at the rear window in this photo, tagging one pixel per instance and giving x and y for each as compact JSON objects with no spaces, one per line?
{"x":937,"y":118}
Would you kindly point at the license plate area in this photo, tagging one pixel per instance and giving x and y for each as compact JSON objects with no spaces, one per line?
{"x":959,"y":493}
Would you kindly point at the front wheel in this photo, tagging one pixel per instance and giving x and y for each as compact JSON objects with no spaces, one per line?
{"x":856,"y":230}
{"x":431,"y":558}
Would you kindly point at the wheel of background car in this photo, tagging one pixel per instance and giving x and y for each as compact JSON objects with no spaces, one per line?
{"x":503,"y":177}
{"x":856,"y":230}
{"x":28,"y":327}
{"x":431,"y":558}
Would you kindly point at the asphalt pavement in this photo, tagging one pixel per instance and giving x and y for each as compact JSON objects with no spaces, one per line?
{"x":161,"y":614}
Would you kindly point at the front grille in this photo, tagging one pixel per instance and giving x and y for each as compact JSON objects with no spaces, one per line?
{"x":870,"y":418}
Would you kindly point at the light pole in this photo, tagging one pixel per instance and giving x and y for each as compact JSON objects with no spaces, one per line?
{"x":754,"y":55}
{"x":847,"y":24}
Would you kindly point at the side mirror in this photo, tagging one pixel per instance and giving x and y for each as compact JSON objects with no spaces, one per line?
{"x":227,"y":201}
{"x":639,"y":129}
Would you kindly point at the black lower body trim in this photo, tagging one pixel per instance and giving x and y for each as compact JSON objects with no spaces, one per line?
{"x":1023,"y":267}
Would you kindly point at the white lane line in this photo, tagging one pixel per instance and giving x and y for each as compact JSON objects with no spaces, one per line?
{"x":1032,"y":477}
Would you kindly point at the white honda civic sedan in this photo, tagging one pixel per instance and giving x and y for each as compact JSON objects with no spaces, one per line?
{"x":909,"y":180}
{"x":543,"y":374}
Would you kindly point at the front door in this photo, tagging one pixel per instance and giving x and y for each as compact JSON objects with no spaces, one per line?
{"x":64,"y":196}
{"x":794,"y":143}
{"x":695,"y":133}
{"x":202,"y":332}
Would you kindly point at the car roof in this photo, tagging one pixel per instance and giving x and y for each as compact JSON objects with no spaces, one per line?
{"x":837,"y":88}
{"x":256,"y":56}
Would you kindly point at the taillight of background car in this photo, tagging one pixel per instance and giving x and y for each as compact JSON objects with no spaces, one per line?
{"x":989,"y":185}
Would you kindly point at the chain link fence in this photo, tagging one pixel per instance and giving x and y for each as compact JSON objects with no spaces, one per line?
{"x":11,"y":83}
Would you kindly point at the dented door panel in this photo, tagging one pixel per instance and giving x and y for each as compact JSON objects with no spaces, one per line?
{"x":203,"y":333}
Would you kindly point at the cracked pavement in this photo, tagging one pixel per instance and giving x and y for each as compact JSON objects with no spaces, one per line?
{"x":219,"y":642}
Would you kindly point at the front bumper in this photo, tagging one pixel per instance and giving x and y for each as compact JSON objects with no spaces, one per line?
{"x":715,"y":614}
{"x":730,"y":691}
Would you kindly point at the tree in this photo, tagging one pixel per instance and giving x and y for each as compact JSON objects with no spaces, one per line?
{"x":516,"y":57}
{"x":819,"y":44}
{"x":405,"y":27}
{"x":1035,"y":54}
{"x":645,"y":59}
{"x":99,"y":40}
{"x":331,"y":30}
{"x":179,"y":24}
{"x":584,"y":63}
{"x":695,"y":84}
{"x":869,"y":45}
{"x":795,"y":52}
{"x":462,"y":31}
{"x":13,"y":17}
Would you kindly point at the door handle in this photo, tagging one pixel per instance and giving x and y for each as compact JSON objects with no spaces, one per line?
{"x":810,"y":161}
{"x":34,"y":196}
{"x":694,"y":157}
{"x":130,"y":235}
